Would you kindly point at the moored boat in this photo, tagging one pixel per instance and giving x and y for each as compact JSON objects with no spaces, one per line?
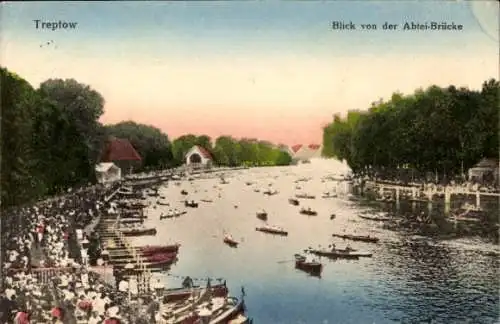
{"x":141,"y":231}
{"x":232,"y":308}
{"x":178,"y":294}
{"x":153,"y":249}
{"x":161,"y":203}
{"x":310,"y":266}
{"x":375,"y":218}
{"x":362,"y":238}
{"x":161,"y":257}
{"x":272,"y":229}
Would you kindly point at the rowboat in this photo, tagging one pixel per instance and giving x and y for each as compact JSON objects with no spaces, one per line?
{"x":131,"y":220}
{"x":172,"y":215}
{"x":341,"y":253}
{"x":207,"y":200}
{"x":161,"y":203}
{"x":305,"y":196}
{"x":233,"y":308}
{"x":308,"y":212}
{"x":191,"y":204}
{"x":270,"y":192}
{"x":377,"y":219}
{"x":162,"y":257}
{"x":177,"y":294}
{"x":362,"y":238}
{"x":293,"y":201}
{"x":184,"y":192}
{"x":271,"y":229}
{"x":328,"y":195}
{"x":153,"y":249}
{"x":139,"y":231}
{"x":312,"y":267}
{"x":228,"y":239}
{"x":262,"y":215}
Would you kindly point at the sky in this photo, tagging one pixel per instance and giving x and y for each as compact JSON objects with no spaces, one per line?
{"x":273,"y":70}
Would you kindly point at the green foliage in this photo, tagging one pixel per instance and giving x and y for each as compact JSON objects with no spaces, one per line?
{"x":437,"y":129}
{"x":152,"y":145}
{"x":49,"y":139}
{"x":248,"y":152}
{"x":182,"y":144}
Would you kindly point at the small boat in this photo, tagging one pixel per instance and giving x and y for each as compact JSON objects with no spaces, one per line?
{"x":131,"y":220}
{"x":191,"y":204}
{"x":293,"y":201}
{"x":332,"y":216}
{"x":229,"y":240}
{"x":312,"y":267}
{"x":256,"y":190}
{"x":153,"y":249}
{"x":235,"y":307}
{"x":305,"y":196}
{"x":362,"y":238}
{"x":178,"y":294}
{"x":207,"y":200}
{"x":172,"y":215}
{"x":162,"y":257}
{"x":141,"y":231}
{"x":270,"y":192}
{"x":329,"y":195}
{"x":376,"y":219}
{"x":262,"y":215}
{"x":153,"y":194}
{"x":308,"y":212}
{"x":248,"y":183}
{"x":161,"y":203}
{"x":184,"y":192}
{"x":271,"y":229}
{"x":341,"y":253}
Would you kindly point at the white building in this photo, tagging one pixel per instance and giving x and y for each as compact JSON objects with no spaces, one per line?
{"x":198,"y":156}
{"x":107,"y":172}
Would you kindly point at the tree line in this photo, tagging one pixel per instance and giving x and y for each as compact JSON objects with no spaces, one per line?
{"x":437,"y":130}
{"x":51,"y":139}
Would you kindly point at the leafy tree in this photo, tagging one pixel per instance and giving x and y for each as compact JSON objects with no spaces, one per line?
{"x":444,"y":130}
{"x":150,"y":142}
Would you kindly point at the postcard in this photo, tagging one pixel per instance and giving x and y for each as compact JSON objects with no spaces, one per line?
{"x":270,"y":162}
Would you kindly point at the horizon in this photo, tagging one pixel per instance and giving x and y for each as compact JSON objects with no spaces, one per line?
{"x":274,"y":71}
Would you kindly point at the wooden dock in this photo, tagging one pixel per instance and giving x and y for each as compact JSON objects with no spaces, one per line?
{"x":419,"y":195}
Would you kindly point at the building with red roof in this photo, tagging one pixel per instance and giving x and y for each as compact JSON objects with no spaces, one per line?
{"x":121,"y":152}
{"x":198,"y":156}
{"x":306,"y":152}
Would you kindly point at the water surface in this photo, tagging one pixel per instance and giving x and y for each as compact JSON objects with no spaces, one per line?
{"x":409,"y":279}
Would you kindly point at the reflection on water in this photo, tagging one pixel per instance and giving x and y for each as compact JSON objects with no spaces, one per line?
{"x":409,"y":278}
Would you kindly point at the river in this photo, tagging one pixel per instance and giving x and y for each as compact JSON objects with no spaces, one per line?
{"x":409,"y":279}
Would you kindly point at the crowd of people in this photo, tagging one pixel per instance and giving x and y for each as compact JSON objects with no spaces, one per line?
{"x":43,"y":277}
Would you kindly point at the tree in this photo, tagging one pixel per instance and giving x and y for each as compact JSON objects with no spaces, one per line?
{"x":444,"y":130}
{"x":150,"y":142}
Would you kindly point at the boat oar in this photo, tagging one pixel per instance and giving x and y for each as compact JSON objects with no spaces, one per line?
{"x":286,"y":261}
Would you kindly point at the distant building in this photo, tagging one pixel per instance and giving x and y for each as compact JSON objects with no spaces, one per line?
{"x":121,"y":152}
{"x":306,"y":152}
{"x":198,"y":156}
{"x":107,"y":172}
{"x":487,"y":170}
